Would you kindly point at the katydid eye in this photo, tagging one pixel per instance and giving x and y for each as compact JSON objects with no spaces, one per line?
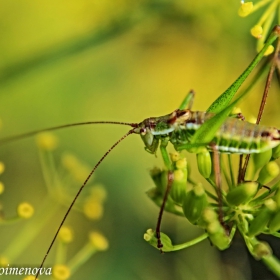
{"x":143,"y":131}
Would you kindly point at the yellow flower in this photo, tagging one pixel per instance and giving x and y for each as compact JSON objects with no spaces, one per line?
{"x":245,"y":9}
{"x":93,"y":209}
{"x":269,"y":50}
{"x":257,"y":31}
{"x":25,"y":210}
{"x":61,"y":272}
{"x":46,"y":141}
{"x":65,"y":234}
{"x":98,"y":241}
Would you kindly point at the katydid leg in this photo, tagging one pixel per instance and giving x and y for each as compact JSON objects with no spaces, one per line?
{"x":188,"y":101}
{"x":168,"y":165}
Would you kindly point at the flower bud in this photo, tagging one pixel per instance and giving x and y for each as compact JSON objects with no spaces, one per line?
{"x":160,"y":179}
{"x":151,"y":238}
{"x":204,"y":164}
{"x":261,"y":159}
{"x":260,"y":250}
{"x":245,"y":9}
{"x":209,"y":215}
{"x":181,"y":163}
{"x":262,"y":218}
{"x":242,"y":193}
{"x":271,"y":205}
{"x":217,"y":235}
{"x":178,"y":189}
{"x":174,"y":156}
{"x":194,"y":204}
{"x":269,"y":172}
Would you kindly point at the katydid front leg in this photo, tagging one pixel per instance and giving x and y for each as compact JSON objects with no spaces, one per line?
{"x":188,"y":101}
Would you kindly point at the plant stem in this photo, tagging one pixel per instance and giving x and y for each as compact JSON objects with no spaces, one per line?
{"x":272,"y":264}
{"x":190,"y":243}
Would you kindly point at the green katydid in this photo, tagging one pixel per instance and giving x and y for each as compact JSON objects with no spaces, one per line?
{"x":191,"y":131}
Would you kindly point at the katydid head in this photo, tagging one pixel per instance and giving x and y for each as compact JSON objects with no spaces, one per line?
{"x":153,"y":129}
{"x":144,"y":128}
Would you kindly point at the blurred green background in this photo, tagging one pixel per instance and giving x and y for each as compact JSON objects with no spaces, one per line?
{"x":68,"y":61}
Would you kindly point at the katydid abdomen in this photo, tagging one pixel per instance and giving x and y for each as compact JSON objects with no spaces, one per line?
{"x":242,"y":137}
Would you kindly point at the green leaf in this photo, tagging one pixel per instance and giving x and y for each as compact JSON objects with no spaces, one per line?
{"x":223,"y":100}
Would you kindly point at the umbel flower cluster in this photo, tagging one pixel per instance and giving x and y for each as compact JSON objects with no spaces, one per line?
{"x":271,"y":14}
{"x":250,"y":208}
{"x":61,"y":179}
